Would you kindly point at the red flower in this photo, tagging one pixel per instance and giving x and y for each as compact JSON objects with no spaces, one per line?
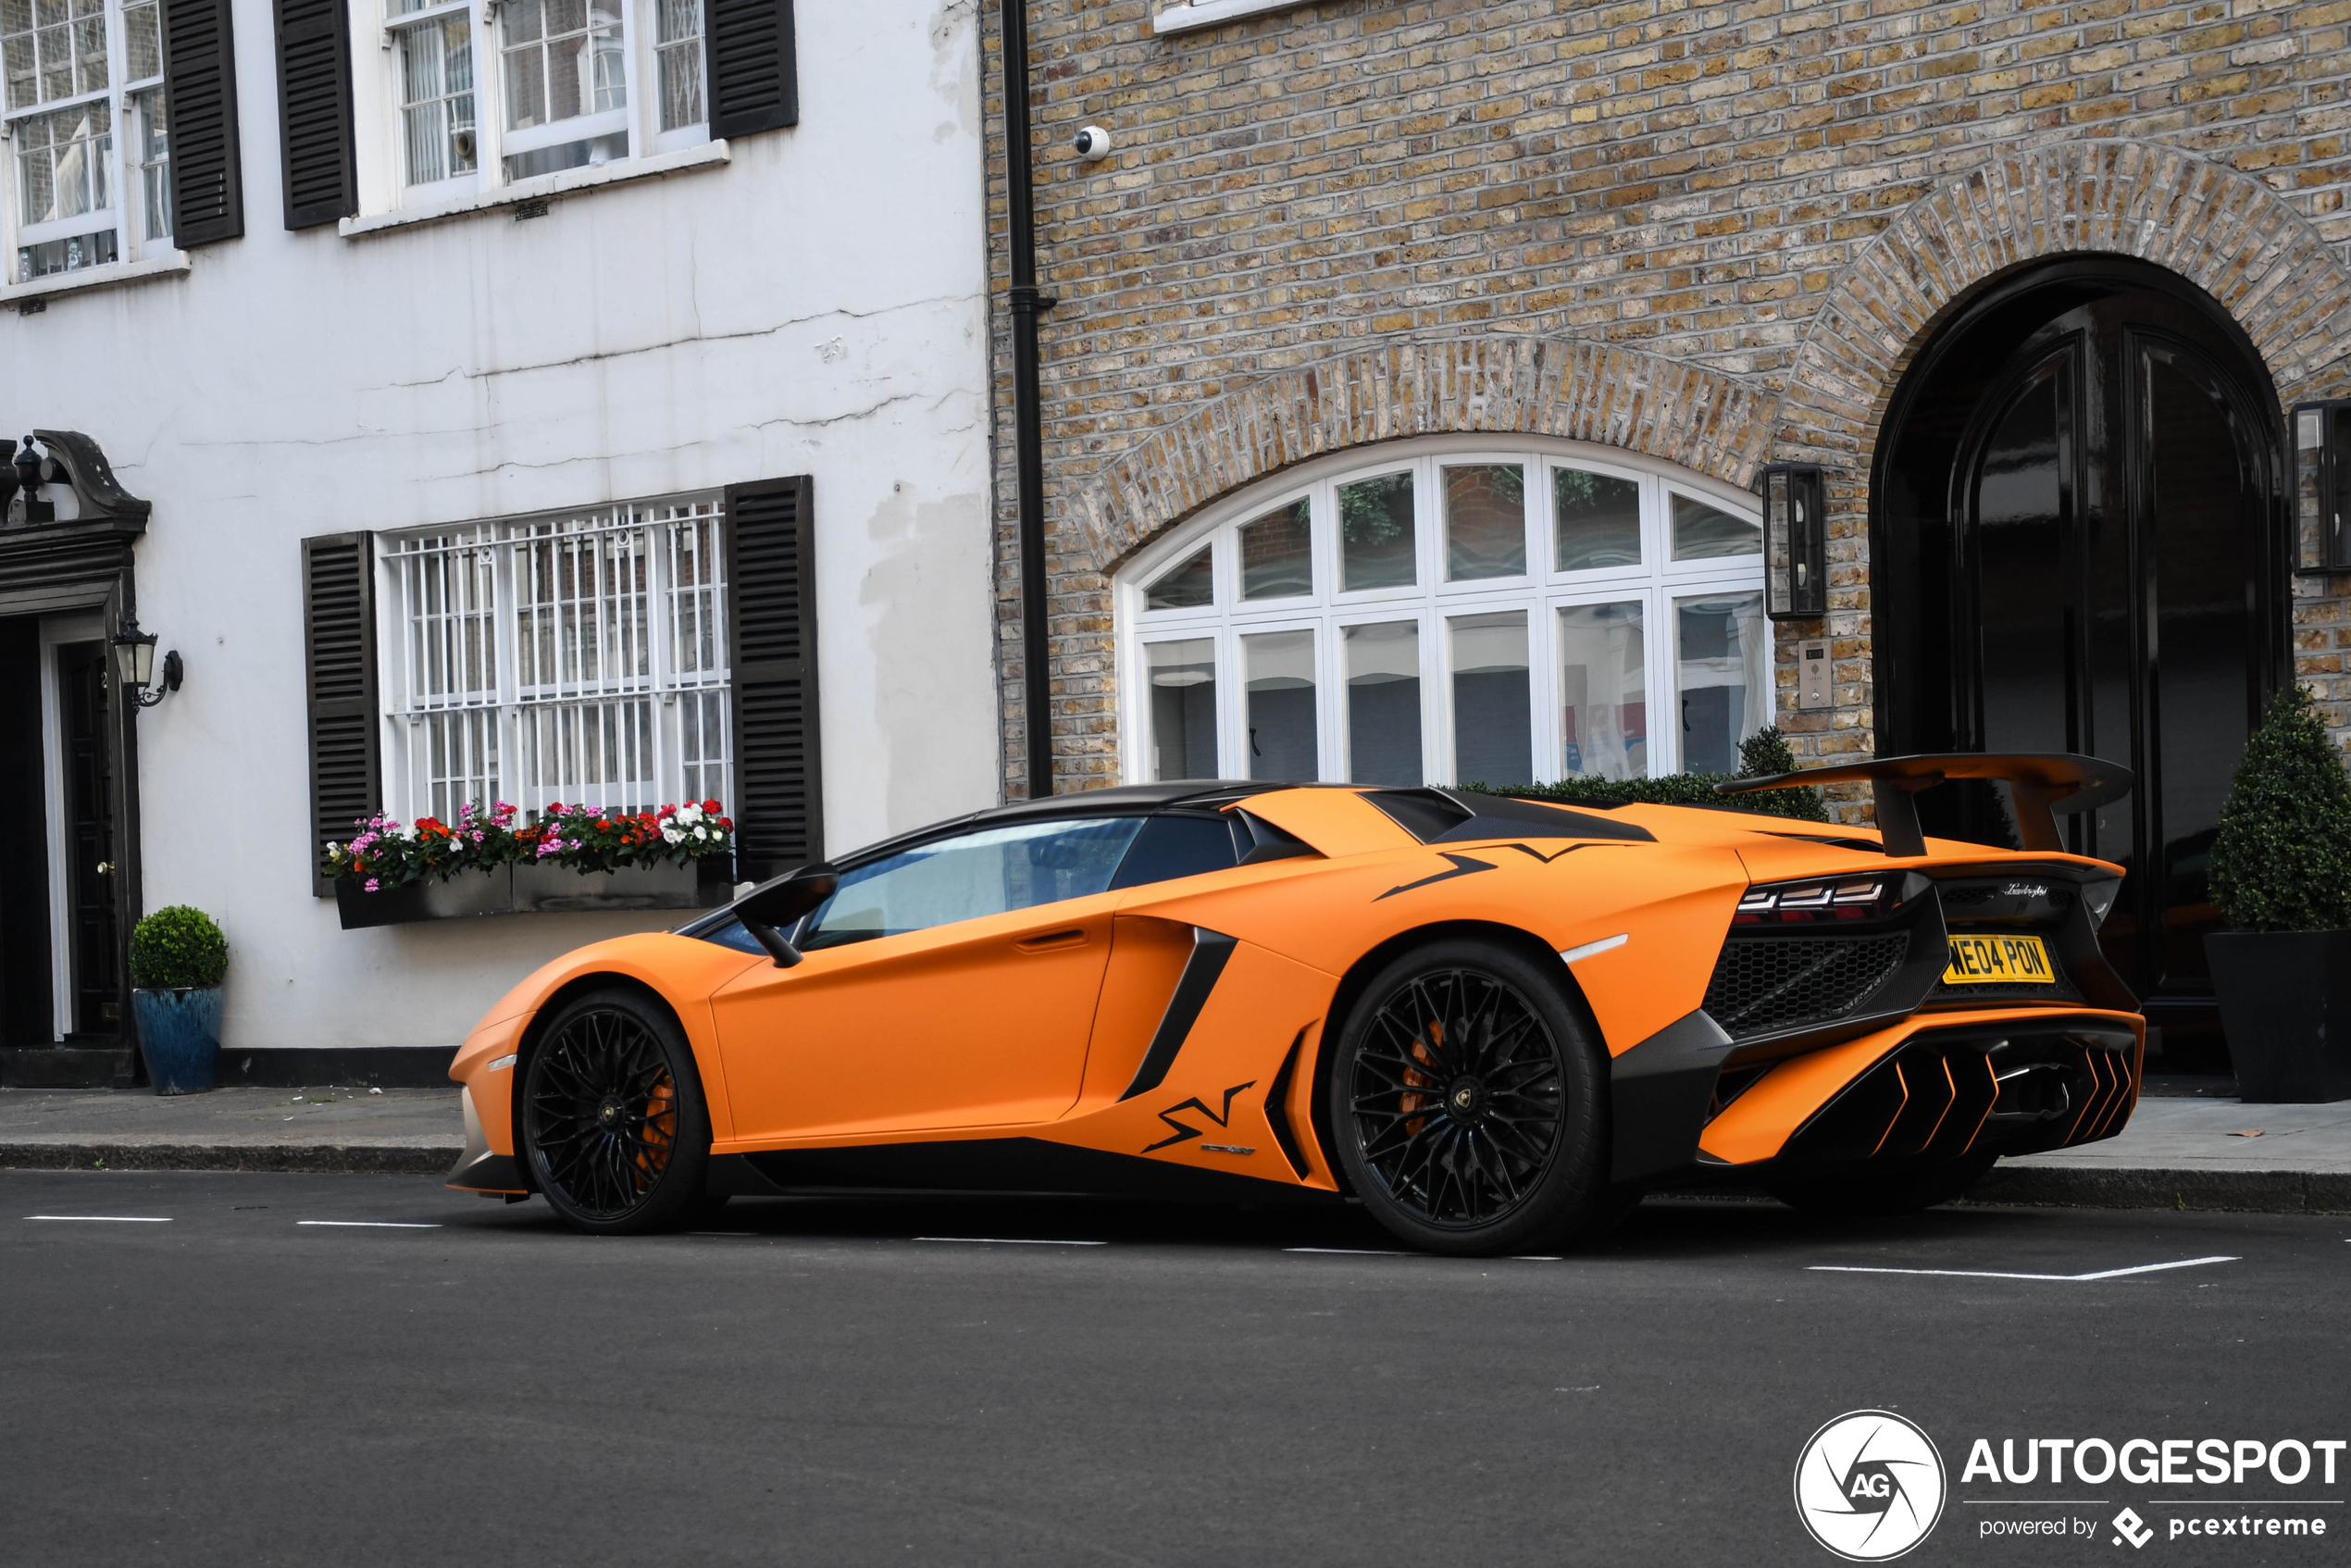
{"x":711,"y":806}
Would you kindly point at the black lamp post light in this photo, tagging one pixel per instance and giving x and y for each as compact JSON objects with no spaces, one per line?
{"x":1796,"y":543}
{"x":2321,"y":487}
{"x":134,"y":664}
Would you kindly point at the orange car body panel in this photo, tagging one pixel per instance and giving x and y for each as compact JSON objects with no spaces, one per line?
{"x":1034,"y":1023}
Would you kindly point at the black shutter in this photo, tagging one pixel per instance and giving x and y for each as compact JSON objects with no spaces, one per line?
{"x":755,"y":84}
{"x":313,"y":111}
{"x":200,"y":103}
{"x":771,"y":656}
{"x":339,"y":628}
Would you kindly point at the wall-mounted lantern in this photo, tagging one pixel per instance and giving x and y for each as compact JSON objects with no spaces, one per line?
{"x":134,"y":664}
{"x":2322,"y":486}
{"x":1796,"y":543}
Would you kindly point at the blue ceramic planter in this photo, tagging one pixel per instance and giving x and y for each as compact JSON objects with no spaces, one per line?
{"x":180,"y":1036}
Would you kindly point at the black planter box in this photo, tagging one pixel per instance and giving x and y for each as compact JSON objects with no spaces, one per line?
{"x":2285,"y":1006}
{"x":539,"y":890}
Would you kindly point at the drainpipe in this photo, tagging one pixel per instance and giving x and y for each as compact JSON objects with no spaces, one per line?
{"x":1028,"y":440}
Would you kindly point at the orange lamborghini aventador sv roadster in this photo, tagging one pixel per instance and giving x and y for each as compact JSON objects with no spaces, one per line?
{"x":1493,"y":1022}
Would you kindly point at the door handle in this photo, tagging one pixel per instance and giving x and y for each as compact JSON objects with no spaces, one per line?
{"x":1052,"y":941}
{"x":105,"y":868}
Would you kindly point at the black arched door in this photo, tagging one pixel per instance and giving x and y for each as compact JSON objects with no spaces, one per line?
{"x":2077,"y":541}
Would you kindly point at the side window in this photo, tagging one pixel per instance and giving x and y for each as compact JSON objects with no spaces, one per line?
{"x":973,"y":874}
{"x":1169,"y":847}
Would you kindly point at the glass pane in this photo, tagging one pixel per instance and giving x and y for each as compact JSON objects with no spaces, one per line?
{"x":151,"y":152}
{"x":1375,"y":533}
{"x":570,"y":155}
{"x":1183,"y":717}
{"x":1383,"y":703}
{"x":1278,"y":669}
{"x":564,"y":59}
{"x":62,"y":160}
{"x":1701,"y":533}
{"x":1603,"y":692}
{"x":1188,"y":587}
{"x":679,"y":48}
{"x":1484,"y":521}
{"x":435,"y":89}
{"x":1596,"y":518}
{"x":971,"y":875}
{"x":142,"y":47}
{"x":1724,"y":671}
{"x":1277,"y":556}
{"x":1493,"y":724}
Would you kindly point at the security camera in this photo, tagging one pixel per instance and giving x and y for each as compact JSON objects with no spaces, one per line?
{"x":1093,"y":142}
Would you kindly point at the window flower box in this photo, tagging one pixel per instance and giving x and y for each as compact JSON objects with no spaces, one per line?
{"x":575,"y":859}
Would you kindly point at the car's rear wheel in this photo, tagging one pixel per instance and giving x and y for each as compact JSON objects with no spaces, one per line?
{"x":613,"y":1125}
{"x":1863,"y":1190}
{"x":1466,"y":1104}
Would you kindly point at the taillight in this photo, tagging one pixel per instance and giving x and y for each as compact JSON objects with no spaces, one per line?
{"x":1821,"y":900}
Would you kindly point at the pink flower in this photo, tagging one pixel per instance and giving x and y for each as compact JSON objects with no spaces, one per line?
{"x":373,"y":886}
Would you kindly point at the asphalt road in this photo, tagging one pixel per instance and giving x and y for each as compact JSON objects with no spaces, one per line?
{"x":846,"y":1382}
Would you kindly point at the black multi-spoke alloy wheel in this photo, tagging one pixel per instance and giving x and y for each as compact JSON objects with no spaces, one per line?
{"x":1867,"y":1188}
{"x":613,"y":1121}
{"x":1466,"y":1100}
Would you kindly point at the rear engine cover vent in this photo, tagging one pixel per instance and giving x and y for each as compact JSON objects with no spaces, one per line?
{"x":1763,"y":985}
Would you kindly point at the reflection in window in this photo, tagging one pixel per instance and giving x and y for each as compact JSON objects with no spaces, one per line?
{"x":992,"y":872}
{"x":1183,"y":678}
{"x":1384,"y":702}
{"x":436,"y":98}
{"x":1278,"y":560}
{"x":1278,"y":669}
{"x":1375,"y":533}
{"x":1484,"y":521}
{"x":1724,"y":671}
{"x":1598,"y":520}
{"x":563,"y":61}
{"x":1187,"y":586}
{"x":1702,"y":532}
{"x":1493,"y":724}
{"x":1603,"y":692}
{"x":678,"y":48}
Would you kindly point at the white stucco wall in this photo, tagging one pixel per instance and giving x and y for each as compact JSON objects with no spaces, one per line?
{"x":817,"y":306}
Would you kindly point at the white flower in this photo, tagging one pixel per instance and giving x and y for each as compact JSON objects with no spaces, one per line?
{"x":690,"y":813}
{"x":672,"y":834}
{"x":702,"y":833}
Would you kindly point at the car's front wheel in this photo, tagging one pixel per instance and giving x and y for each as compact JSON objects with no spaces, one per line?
{"x":1466,"y":1104}
{"x":613,"y":1125}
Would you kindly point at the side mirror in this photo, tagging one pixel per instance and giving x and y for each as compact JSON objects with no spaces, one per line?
{"x":771,"y":906}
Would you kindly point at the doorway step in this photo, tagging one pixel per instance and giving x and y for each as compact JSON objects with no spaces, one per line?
{"x":66,"y":1067}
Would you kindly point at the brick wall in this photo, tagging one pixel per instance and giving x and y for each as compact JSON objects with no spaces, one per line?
{"x":1717,"y":234}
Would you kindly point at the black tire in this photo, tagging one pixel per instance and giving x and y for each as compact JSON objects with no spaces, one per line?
{"x":1467,"y":1100}
{"x":1860,"y":1192}
{"x":614,"y":1124}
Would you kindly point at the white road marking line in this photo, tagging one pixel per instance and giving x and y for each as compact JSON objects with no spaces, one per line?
{"x":1590,"y":950}
{"x":108,"y":1219}
{"x":372,"y":1224}
{"x":1994,"y":1273}
{"x":1014,"y":1240}
{"x":1350,"y":1251}
{"x":1532,"y":1258}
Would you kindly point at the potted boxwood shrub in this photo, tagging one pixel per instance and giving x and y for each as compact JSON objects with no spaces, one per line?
{"x":178,"y":960}
{"x":2281,"y":872}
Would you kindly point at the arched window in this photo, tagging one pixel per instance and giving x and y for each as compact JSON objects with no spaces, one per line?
{"x":1452,"y":610}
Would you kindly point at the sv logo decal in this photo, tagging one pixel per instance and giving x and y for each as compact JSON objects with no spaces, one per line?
{"x":1194,"y":1103}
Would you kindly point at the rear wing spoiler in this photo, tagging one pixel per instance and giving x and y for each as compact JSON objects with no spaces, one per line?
{"x":2042,"y":784}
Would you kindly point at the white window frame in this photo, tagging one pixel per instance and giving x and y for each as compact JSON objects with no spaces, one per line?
{"x":1658,"y":583}
{"x":411,"y":708}
{"x":382,"y":144}
{"x":125,"y":218}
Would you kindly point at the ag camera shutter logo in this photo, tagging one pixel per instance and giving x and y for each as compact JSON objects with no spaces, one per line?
{"x":1870,"y":1486}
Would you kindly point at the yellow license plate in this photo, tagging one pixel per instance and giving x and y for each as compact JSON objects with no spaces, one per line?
{"x":1998,"y":960}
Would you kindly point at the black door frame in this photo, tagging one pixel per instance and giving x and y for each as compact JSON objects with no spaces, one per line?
{"x":90,"y":564}
{"x":2273,"y":605}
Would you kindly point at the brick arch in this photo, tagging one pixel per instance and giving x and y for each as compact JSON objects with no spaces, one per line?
{"x":2224,"y":232}
{"x":1701,"y":419}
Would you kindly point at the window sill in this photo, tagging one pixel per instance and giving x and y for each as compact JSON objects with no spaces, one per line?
{"x":538,"y":188}
{"x":106,"y":276}
{"x":1189,"y":16}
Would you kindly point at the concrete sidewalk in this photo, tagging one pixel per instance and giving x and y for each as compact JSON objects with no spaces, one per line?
{"x":417,"y":1130}
{"x":2177,"y":1153}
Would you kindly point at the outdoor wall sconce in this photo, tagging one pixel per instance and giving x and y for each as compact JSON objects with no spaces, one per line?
{"x":1796,"y":544}
{"x":28,"y":471}
{"x":134,"y":664}
{"x":2322,"y":486}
